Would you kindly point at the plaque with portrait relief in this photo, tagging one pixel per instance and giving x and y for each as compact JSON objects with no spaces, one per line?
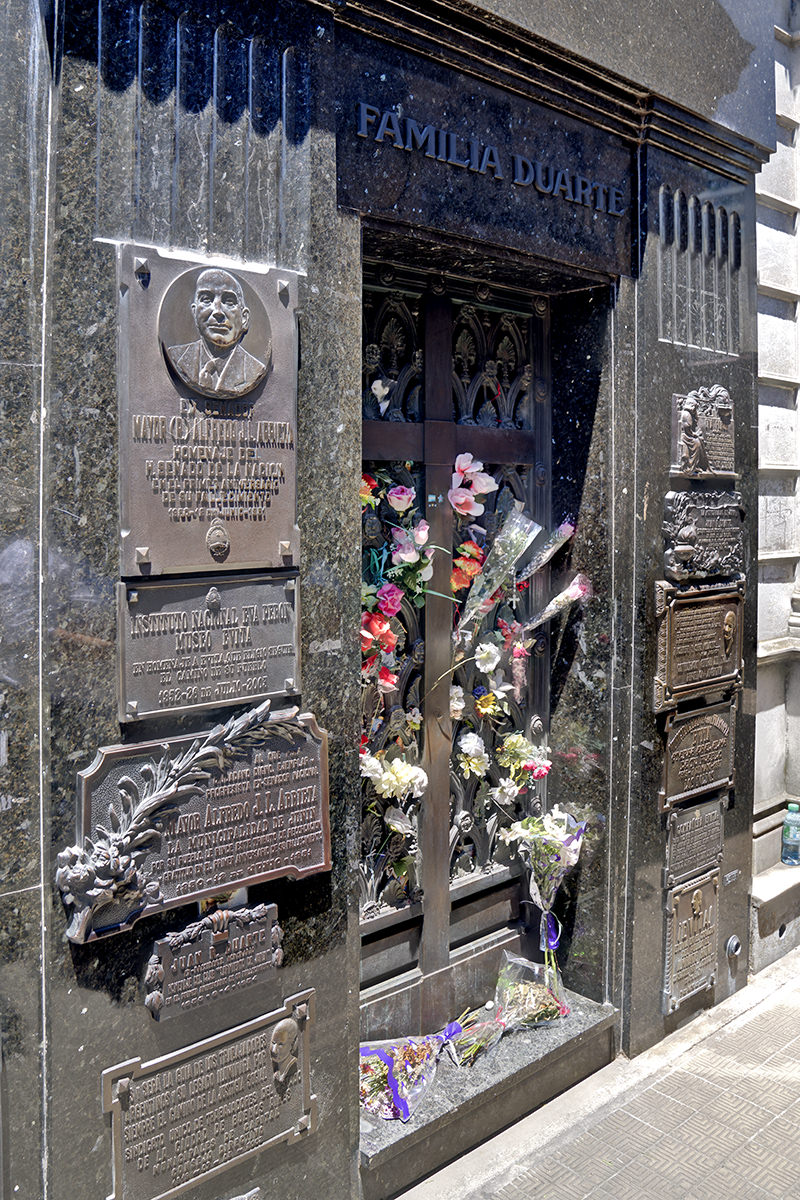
{"x":699,"y":641}
{"x":185,"y":1117}
{"x":690,"y":957}
{"x":207,"y":380}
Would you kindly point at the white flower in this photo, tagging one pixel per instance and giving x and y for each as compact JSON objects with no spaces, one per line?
{"x":400,"y":780}
{"x":471,"y":744}
{"x":487,"y":656}
{"x":506,"y":792}
{"x":371,"y":767}
{"x":456,"y":702}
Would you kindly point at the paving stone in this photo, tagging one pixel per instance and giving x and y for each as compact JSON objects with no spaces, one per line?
{"x":655,"y":1108}
{"x":761,"y":1166}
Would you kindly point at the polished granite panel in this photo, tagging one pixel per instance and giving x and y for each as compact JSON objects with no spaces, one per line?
{"x":22,"y":1040}
{"x":97,"y":989}
{"x":669,"y":49}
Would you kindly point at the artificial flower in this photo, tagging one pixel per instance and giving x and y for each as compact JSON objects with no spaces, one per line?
{"x":405,"y":550}
{"x":370,"y":767}
{"x":487,"y":706}
{"x":464,"y":503}
{"x":506,"y":791}
{"x":400,"y":780}
{"x":414,"y":718}
{"x":537,"y":768}
{"x":401,"y":498}
{"x":378,"y":629}
{"x":387,"y":682}
{"x":390,"y":598}
{"x":482,"y":483}
{"x":472,"y":758}
{"x":459,"y":579}
{"x":466,"y":465}
{"x":487,"y":656}
{"x":420,"y":532}
{"x":368,"y":485}
{"x":457,"y":702}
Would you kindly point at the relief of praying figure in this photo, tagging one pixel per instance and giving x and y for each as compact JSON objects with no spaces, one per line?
{"x":694,"y":458}
{"x":217,"y":364}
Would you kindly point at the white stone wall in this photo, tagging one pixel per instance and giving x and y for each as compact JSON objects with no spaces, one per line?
{"x":777,"y":771}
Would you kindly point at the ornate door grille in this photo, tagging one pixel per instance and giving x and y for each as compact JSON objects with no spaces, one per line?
{"x":449,"y":367}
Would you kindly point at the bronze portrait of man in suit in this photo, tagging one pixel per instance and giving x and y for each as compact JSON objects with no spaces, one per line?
{"x":216,"y":364}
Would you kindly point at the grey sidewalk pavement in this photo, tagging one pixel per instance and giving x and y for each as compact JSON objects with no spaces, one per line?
{"x":711,"y":1113}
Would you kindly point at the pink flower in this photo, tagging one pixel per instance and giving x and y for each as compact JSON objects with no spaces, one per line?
{"x":401,"y":498}
{"x":464,"y":503}
{"x":405,"y":551}
{"x":420,"y":532}
{"x":390,"y":597}
{"x":387,"y":682}
{"x":482,"y":483}
{"x":465,"y":466}
{"x":537,"y":770}
{"x":579,"y":589}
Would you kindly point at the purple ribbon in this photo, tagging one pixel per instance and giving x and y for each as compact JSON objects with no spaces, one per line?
{"x":549,"y":932}
{"x":447,"y":1034}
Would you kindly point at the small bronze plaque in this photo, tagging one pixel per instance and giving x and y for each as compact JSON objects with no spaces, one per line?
{"x":690,"y":960}
{"x":699,"y":641}
{"x":187,"y":1116}
{"x":163,"y":823}
{"x":694,"y":841}
{"x":703,"y":535}
{"x":206,"y":642}
{"x":212,"y":958}
{"x":208,"y":386}
{"x":699,"y":753}
{"x":703,"y":434}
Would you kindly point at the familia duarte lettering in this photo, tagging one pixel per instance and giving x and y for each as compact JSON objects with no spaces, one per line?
{"x":405,"y":133}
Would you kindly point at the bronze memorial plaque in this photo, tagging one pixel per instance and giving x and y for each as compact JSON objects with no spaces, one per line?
{"x":699,"y":753}
{"x":187,"y":1116}
{"x":699,"y":641}
{"x":165,"y":822}
{"x":221,"y":953}
{"x":205,"y":642}
{"x":694,"y":841}
{"x":690,"y":960}
{"x":208,"y":397}
{"x":703,"y":535}
{"x":703,"y":434}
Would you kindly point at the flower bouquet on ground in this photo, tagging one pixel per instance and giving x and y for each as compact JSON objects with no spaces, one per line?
{"x":549,"y":846}
{"x":394,"y":1076}
{"x":527,"y":994}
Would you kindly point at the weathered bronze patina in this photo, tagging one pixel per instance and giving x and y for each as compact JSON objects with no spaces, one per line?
{"x":185,"y":1117}
{"x":206,"y":642}
{"x":163,"y":823}
{"x":699,"y":754}
{"x":690,"y":959}
{"x":207,"y":383}
{"x":694,"y":841}
{"x":699,"y":641}
{"x":212,"y":958}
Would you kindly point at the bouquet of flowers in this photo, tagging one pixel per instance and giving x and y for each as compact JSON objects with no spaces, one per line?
{"x":514,"y":538}
{"x":527,"y":994}
{"x":395,"y":1076}
{"x":549,"y":846}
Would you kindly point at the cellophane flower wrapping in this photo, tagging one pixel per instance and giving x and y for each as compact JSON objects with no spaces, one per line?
{"x":480,"y":1032}
{"x":528,"y":994}
{"x":512,"y":541}
{"x":395,"y":1076}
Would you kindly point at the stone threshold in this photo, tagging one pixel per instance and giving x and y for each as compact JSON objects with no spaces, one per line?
{"x":774,"y":914}
{"x":470,"y":1104}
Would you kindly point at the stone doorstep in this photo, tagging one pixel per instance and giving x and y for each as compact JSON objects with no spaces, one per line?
{"x":774,"y":914}
{"x":470,"y":1104}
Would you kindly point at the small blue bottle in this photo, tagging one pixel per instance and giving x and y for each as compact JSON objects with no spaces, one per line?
{"x":790,"y":841}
